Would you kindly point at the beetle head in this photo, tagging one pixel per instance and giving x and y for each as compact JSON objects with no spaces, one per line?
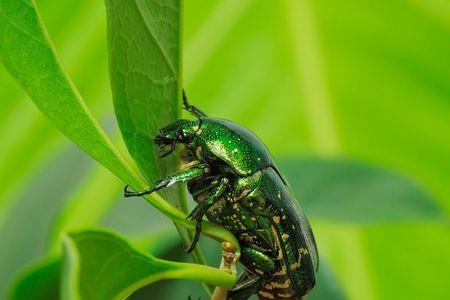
{"x":182,"y":131}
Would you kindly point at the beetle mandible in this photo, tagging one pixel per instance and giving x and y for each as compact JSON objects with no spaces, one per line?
{"x":233,"y":178}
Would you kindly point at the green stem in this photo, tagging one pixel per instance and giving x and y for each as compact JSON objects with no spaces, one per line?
{"x":203,"y":273}
{"x":209,"y":229}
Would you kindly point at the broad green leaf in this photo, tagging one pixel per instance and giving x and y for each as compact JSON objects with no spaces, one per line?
{"x":42,"y":280}
{"x":145,"y":68}
{"x":28,"y":55}
{"x":101,"y":265}
{"x":144,"y":41}
{"x":144,"y":50}
{"x":348,"y":191}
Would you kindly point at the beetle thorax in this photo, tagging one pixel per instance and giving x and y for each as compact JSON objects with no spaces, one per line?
{"x":233,"y":145}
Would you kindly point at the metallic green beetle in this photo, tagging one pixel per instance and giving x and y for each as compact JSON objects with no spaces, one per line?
{"x":233,"y":178}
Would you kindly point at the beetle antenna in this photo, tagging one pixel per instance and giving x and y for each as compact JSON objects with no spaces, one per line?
{"x":191,"y":108}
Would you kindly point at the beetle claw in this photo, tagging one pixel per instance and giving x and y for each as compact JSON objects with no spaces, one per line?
{"x":190,"y":248}
{"x":196,"y":213}
{"x":194,"y":240}
{"x":128,"y":194}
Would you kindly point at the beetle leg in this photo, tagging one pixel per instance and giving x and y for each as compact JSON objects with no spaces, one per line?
{"x":191,"y":108}
{"x":198,"y":212}
{"x":264,"y":272}
{"x":203,"y":185}
{"x":203,"y":206}
{"x":246,"y":289}
{"x":183,"y":176}
{"x":198,"y":230}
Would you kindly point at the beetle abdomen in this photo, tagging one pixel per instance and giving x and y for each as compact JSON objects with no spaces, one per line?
{"x":292,"y":233}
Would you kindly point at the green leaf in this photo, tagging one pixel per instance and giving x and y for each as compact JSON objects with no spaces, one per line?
{"x":40,"y":282}
{"x":145,"y":68}
{"x":28,"y":55}
{"x":101,"y":265}
{"x":144,"y":42}
{"x":347,"y":191}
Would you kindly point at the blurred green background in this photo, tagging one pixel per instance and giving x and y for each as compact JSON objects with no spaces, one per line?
{"x":361,"y":85}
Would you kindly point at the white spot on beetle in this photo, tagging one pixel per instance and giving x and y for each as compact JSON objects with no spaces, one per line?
{"x":287,"y":295}
{"x":281,"y":285}
{"x":281,"y":272}
{"x":259,"y":271}
{"x":266,"y":295}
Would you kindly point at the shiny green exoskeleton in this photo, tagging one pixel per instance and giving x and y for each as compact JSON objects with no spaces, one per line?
{"x":234,"y":180}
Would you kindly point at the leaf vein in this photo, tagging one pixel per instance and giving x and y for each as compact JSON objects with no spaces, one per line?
{"x":161,"y":49}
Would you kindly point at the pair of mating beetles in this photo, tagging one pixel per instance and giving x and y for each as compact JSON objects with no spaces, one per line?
{"x":233,"y":178}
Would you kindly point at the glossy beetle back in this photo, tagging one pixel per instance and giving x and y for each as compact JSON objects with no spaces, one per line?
{"x":235,"y":145}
